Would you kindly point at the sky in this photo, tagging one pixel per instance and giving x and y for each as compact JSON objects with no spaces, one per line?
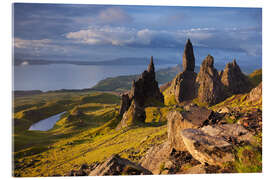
{"x":105,"y":32}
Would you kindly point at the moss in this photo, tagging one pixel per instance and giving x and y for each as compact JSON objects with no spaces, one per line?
{"x":249,"y":159}
{"x":169,"y":98}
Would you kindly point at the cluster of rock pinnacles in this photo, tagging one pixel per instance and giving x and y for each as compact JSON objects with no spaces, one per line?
{"x":209,"y":86}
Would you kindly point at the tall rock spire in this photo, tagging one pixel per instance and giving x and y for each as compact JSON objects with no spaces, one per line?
{"x":188,"y":57}
{"x":151,"y":67}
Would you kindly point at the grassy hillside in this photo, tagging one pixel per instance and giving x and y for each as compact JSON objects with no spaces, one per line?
{"x":256,"y":77}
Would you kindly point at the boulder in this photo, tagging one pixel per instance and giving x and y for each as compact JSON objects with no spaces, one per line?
{"x":177,"y":121}
{"x":207,"y":149}
{"x":188,"y":57}
{"x":116,"y":165}
{"x":232,"y":133}
{"x":210,"y":88}
{"x":234,"y":80}
{"x":155,"y":157}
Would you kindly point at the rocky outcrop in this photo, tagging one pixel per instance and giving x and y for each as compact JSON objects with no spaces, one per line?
{"x":178,"y":121}
{"x":188,"y":57}
{"x":234,"y":80}
{"x":125,"y":104}
{"x":183,"y":85}
{"x":214,"y":144}
{"x":116,"y":165}
{"x":134,"y":115}
{"x":144,"y":92}
{"x":255,"y":94}
{"x":210,"y":88}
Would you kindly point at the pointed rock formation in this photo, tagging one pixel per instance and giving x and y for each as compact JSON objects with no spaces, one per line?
{"x":188,"y":57}
{"x":210,"y":88}
{"x":144,"y":92}
{"x":234,"y":80}
{"x":183,"y":85}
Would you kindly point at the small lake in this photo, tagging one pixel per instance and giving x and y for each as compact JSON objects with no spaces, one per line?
{"x":46,"y":124}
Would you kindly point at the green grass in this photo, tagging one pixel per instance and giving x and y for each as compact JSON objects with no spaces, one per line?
{"x":80,"y":138}
{"x":256,"y":77}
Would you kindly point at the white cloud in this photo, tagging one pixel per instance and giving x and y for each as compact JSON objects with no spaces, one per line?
{"x":37,"y":47}
{"x":22,"y":43}
{"x":114,"y":15}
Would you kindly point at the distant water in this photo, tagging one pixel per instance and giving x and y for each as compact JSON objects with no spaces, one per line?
{"x":67,"y":76}
{"x":46,"y":124}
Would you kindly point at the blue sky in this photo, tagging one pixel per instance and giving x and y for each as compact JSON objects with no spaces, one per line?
{"x":96,"y":32}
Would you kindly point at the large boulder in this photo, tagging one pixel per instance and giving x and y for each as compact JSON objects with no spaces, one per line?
{"x":155,"y":157}
{"x":214,"y":144}
{"x":210,"y":88}
{"x":178,"y":121}
{"x":116,"y":165}
{"x":188,"y":57}
{"x":234,"y":80}
{"x":207,"y":149}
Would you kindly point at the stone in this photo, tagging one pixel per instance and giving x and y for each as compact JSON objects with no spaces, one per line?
{"x":125,"y":104}
{"x":198,"y":169}
{"x":210,"y":88}
{"x":255,"y":95}
{"x":212,"y":150}
{"x":177,"y":121}
{"x":188,"y":57}
{"x":144,"y":92}
{"x":234,"y":80}
{"x":155,"y":156}
{"x":134,"y":115}
{"x":184,"y":86}
{"x":116,"y":165}
{"x":233,"y":133}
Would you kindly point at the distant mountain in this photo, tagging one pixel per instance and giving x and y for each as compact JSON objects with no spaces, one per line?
{"x":123,"y":83}
{"x":118,"y":61}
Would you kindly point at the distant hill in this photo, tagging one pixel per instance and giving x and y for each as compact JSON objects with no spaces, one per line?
{"x":256,"y":77}
{"x":123,"y":83}
{"x":118,"y":61}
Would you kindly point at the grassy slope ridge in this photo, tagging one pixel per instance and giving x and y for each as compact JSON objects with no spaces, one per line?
{"x":86,"y":132}
{"x":123,"y":83}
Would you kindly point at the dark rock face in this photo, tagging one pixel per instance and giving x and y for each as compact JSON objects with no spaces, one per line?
{"x":234,"y":80}
{"x":125,"y":103}
{"x":184,"y":86}
{"x":188,"y":57}
{"x":116,"y":165}
{"x":143,"y":92}
{"x":210,"y":88}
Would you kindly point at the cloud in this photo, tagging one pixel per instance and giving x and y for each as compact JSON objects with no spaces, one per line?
{"x":38,"y":47}
{"x":22,"y":43}
{"x":231,"y":38}
{"x":114,"y":15}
